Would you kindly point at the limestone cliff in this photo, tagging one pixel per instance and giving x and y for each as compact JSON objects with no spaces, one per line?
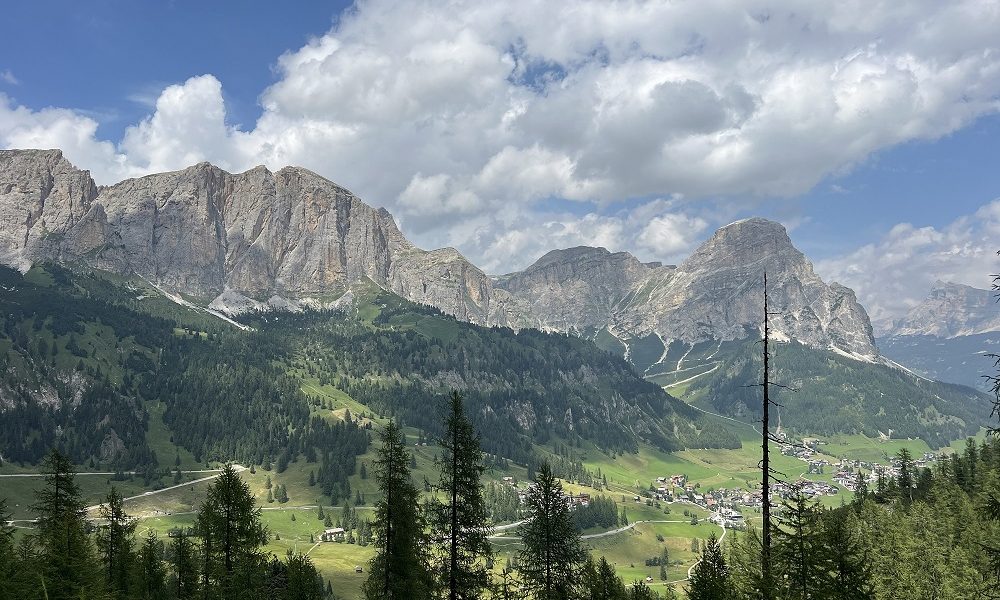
{"x":202,"y":231}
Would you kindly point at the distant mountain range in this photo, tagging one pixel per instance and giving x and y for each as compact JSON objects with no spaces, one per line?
{"x":285,"y":240}
{"x":948,"y":335}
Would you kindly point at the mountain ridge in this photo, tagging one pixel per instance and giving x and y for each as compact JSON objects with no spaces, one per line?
{"x":234,"y":240}
{"x":716,"y":293}
{"x":950,"y":310}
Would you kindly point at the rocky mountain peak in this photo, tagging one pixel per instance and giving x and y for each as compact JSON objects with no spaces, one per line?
{"x":575,"y":289}
{"x":236,"y":239}
{"x":717,"y":293}
{"x":213,"y":234}
{"x":950,"y":310}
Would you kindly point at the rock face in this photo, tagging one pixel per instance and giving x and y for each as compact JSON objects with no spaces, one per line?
{"x":203,"y":231}
{"x":575,"y":289}
{"x":259,"y":238}
{"x":950,"y":310}
{"x":717,"y":293}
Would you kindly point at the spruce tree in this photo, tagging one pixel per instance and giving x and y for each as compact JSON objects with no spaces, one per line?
{"x":232,"y":534}
{"x":399,"y":570}
{"x":150,"y":575}
{"x":184,"y":567}
{"x":459,"y":530}
{"x":115,"y":543}
{"x":66,"y":557}
{"x":848,"y":566}
{"x":710,"y":577}
{"x":799,"y":560}
{"x":552,"y":552}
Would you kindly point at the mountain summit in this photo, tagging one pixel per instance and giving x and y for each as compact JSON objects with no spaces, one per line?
{"x":950,"y":310}
{"x":230,"y":239}
{"x":717,"y":293}
{"x":263,"y":238}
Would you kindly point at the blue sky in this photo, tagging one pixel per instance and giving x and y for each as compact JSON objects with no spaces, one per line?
{"x":507,"y":131}
{"x":109,"y":57}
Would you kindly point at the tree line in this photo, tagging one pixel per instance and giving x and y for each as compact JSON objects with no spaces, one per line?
{"x":69,"y":557}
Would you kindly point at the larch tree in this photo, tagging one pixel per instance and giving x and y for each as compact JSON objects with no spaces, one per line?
{"x":116,"y":543}
{"x":400,"y":568}
{"x":552,"y":552}
{"x":69,"y":568}
{"x":458,"y":518}
{"x":232,"y":534}
{"x":710,"y":577}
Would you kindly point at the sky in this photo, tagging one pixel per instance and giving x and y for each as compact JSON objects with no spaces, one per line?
{"x":871,"y":129}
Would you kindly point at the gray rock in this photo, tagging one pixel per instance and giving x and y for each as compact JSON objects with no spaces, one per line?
{"x":259,"y":239}
{"x":205,"y":232}
{"x":950,"y":310}
{"x":717,"y":293}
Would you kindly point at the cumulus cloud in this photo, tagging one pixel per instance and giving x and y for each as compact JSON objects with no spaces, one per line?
{"x":895,"y":273}
{"x":466,"y":119}
{"x":68,"y":130}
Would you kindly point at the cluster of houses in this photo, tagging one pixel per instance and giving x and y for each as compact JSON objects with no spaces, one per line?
{"x":573,"y":500}
{"x":728,"y":518}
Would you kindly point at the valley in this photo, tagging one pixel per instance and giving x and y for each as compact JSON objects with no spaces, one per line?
{"x":152,"y":368}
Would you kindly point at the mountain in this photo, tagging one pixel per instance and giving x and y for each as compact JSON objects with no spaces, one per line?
{"x":716,"y":294}
{"x":950,"y":310}
{"x":253,"y":239}
{"x":948,"y":335}
{"x":239,"y":241}
{"x":231,"y":244}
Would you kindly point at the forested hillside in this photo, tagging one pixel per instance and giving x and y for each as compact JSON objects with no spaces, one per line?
{"x":521,"y":388}
{"x":827,"y":393}
{"x":86,"y":356}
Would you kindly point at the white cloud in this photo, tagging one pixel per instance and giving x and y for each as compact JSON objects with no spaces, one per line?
{"x":70,"y":131}
{"x":465,"y":119}
{"x":7,"y":76}
{"x":895,"y":273}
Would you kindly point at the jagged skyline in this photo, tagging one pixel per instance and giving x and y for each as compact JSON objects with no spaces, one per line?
{"x":488,"y":134}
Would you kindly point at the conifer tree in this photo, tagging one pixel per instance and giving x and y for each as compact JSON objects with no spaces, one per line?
{"x":66,"y":556}
{"x":598,"y":581}
{"x":860,"y":489}
{"x":552,"y":552}
{"x":302,"y":581}
{"x":710,"y":577}
{"x":184,"y":566}
{"x":799,"y":551}
{"x":459,"y":529}
{"x":232,"y":533}
{"x":399,"y":570}
{"x":848,"y":566}
{"x":151,"y":577}
{"x":8,"y":569}
{"x":115,"y":543}
{"x":905,"y":480}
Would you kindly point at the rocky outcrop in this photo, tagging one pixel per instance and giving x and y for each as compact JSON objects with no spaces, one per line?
{"x":717,"y":293}
{"x":950,"y":310}
{"x":577,"y":289}
{"x":43,"y":202}
{"x":204,"y":232}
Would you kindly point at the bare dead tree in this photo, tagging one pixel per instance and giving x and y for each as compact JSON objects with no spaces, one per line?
{"x":768,"y":474}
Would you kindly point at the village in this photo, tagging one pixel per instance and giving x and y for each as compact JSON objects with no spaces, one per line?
{"x":726,"y":505}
